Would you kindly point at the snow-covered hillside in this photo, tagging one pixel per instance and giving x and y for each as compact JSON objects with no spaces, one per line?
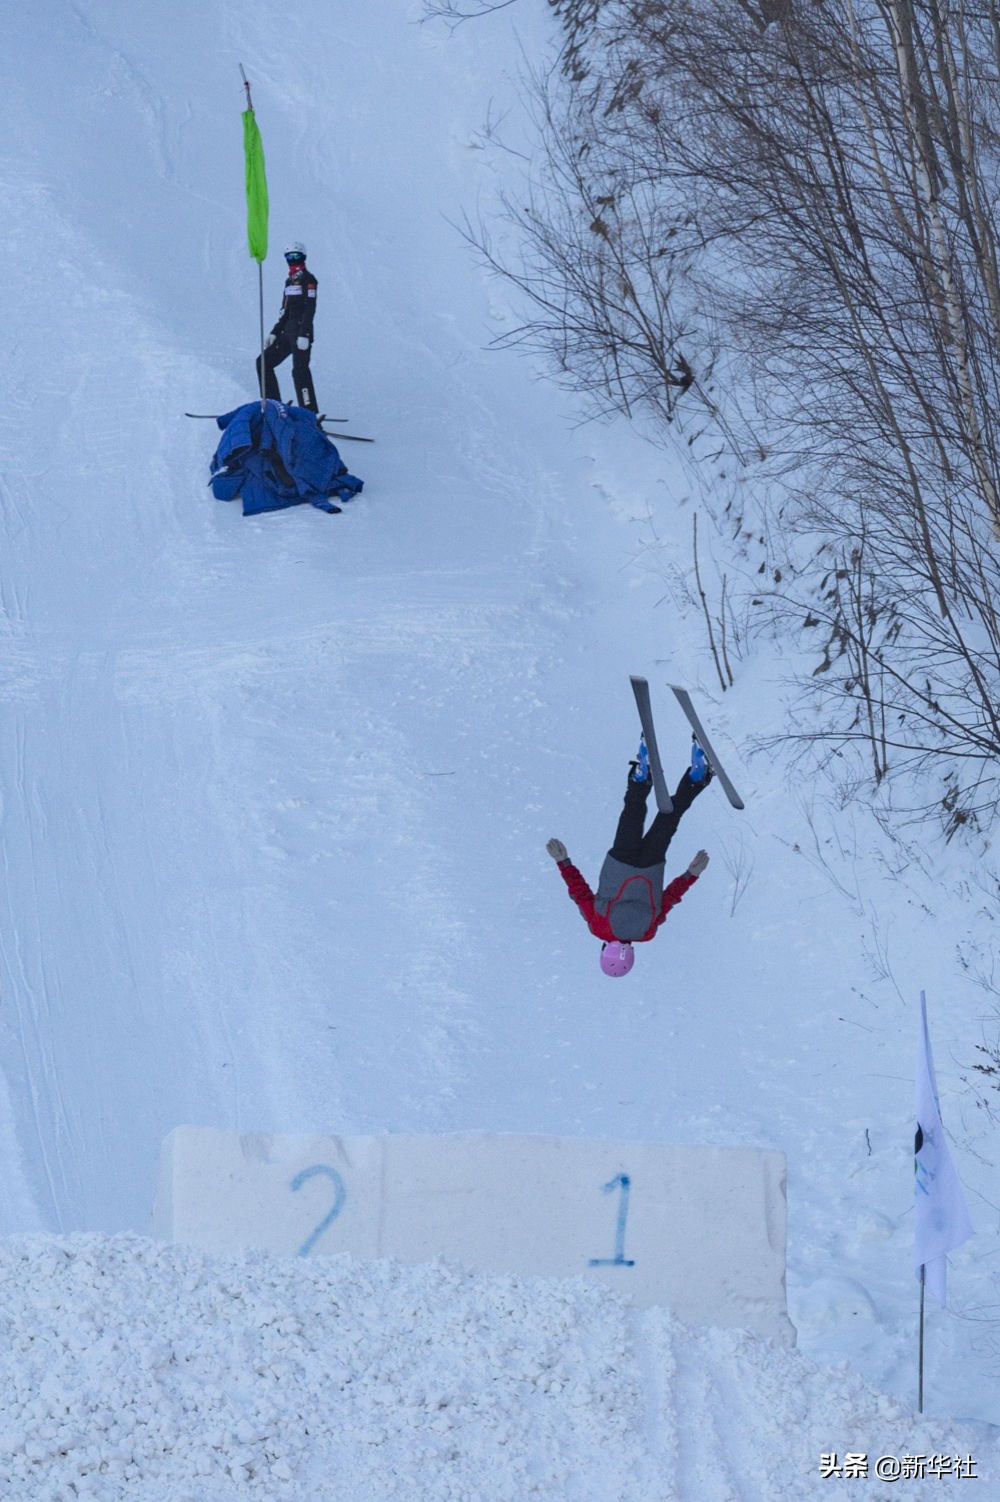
{"x":275,"y":792}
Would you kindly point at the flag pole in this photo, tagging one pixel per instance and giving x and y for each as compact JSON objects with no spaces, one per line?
{"x":942,"y":1216}
{"x":258,"y":251}
{"x":920,"y":1362}
{"x":260,"y":307}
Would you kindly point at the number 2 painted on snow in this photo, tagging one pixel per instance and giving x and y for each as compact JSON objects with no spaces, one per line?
{"x":340,"y":1195}
{"x":623,"y":1183}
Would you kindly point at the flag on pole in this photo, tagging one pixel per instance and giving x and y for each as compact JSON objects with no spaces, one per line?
{"x":942,"y":1220}
{"x":253,"y":152}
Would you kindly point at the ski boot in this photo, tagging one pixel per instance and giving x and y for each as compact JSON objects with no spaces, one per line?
{"x":700,"y":769}
{"x":640,"y":767}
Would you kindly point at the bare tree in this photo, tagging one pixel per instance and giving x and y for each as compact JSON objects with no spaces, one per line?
{"x":605,"y":273}
{"x":454,"y":11}
{"x":777,"y":221}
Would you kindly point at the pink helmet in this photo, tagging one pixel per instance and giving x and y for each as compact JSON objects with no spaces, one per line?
{"x":617,"y":958}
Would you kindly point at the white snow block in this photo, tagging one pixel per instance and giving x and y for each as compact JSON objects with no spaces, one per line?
{"x":700,"y":1229}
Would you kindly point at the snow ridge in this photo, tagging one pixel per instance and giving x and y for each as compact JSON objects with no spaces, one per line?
{"x":135,"y":1369}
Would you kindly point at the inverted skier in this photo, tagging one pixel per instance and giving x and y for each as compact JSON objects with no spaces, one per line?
{"x":631,"y":903}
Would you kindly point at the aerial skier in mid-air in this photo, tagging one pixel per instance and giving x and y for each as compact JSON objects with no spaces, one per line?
{"x":631,"y":902}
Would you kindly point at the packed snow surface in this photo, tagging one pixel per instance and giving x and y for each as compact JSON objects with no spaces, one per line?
{"x":274,"y":797}
{"x":137,"y":1370}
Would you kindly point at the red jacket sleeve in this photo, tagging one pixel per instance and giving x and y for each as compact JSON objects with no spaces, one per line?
{"x":580,"y":893}
{"x":674,"y":892}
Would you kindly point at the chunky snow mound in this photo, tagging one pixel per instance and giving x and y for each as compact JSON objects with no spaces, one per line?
{"x":135,"y":1369}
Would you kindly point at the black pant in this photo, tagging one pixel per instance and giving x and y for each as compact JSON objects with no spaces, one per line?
{"x":275,"y":354}
{"x":634,"y":848}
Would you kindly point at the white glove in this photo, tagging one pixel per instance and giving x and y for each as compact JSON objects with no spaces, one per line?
{"x":269,"y":340}
{"x":699,"y":863}
{"x":302,"y":342}
{"x":557,"y":850}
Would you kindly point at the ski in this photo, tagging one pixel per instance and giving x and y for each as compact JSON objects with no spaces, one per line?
{"x":346,"y":437}
{"x":640,"y":687}
{"x":684,"y":700}
{"x":214,"y":417}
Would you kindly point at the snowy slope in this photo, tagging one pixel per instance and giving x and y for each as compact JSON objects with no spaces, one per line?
{"x":276,"y":792}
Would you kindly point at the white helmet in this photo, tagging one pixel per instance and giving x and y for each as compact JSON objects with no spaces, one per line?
{"x":295,"y":251}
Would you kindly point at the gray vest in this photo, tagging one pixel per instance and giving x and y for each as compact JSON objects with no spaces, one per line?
{"x":629,"y":897}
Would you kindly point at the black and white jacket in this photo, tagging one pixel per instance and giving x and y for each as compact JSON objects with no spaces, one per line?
{"x":298,"y":307}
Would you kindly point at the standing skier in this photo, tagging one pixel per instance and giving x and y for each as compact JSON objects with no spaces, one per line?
{"x":631,"y":902}
{"x":293,"y":332}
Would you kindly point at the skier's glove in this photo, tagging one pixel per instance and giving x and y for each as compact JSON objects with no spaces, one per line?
{"x":302,"y":342}
{"x":269,"y":340}
{"x":699,"y":863}
{"x":557,"y":850}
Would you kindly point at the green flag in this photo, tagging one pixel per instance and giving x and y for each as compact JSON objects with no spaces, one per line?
{"x":253,"y":151}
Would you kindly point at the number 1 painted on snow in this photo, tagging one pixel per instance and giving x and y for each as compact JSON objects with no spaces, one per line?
{"x":623,"y":1183}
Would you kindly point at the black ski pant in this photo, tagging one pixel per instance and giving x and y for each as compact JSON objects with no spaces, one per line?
{"x":276,"y":354}
{"x":632,"y":846}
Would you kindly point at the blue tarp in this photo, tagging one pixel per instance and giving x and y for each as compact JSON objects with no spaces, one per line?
{"x":274,"y":456}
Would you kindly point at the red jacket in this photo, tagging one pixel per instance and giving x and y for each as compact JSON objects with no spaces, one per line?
{"x":598,"y":923}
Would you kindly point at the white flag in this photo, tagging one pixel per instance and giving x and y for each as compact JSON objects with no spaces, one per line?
{"x":942,"y":1215}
